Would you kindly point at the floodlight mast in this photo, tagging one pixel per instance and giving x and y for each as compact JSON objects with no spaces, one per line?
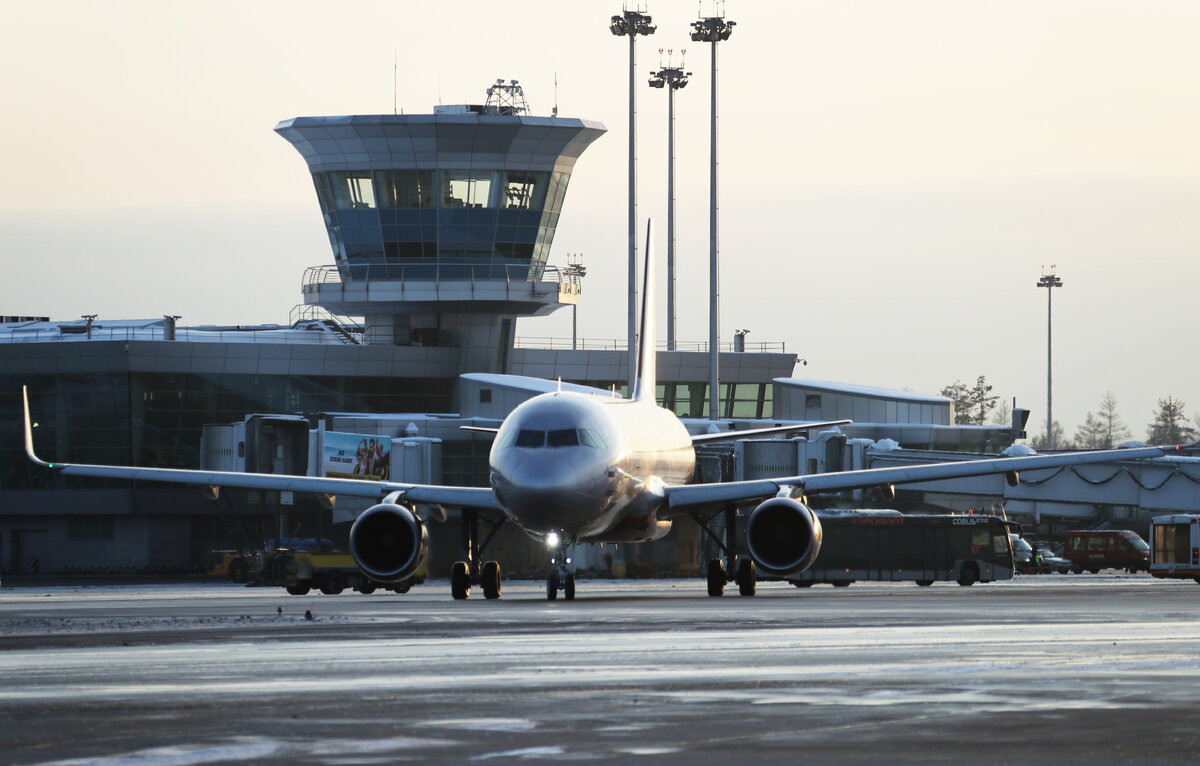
{"x":1049,"y":281}
{"x":631,"y":24}
{"x":672,"y":78}
{"x":713,"y":29}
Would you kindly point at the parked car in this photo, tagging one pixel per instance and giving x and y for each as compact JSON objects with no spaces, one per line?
{"x":1036,"y":558}
{"x":1094,"y":550}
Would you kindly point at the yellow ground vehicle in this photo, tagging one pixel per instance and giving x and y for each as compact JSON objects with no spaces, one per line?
{"x":329,"y":570}
{"x":234,"y":564}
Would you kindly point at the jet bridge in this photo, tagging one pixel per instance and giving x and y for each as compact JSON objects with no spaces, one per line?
{"x":1120,"y":494}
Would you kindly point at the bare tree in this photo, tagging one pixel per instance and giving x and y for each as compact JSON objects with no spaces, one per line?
{"x":1060,"y":441}
{"x":1104,"y":430}
{"x":1003,"y":414}
{"x":1115,"y":431}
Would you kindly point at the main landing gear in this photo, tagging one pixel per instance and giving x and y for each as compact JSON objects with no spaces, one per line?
{"x":485,"y":574}
{"x":732,"y":568}
{"x":562,"y":567}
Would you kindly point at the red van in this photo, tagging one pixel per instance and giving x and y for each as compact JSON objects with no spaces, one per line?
{"x":1094,"y":550}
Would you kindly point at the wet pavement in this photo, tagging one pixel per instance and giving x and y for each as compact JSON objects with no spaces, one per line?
{"x":1047,"y":669}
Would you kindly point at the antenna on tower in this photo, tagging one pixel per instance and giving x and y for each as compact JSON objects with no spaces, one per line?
{"x":507,"y":98}
{"x":554,"y":111}
{"x":395,"y":80}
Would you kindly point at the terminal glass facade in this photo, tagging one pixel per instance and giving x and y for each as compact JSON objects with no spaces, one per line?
{"x":156,"y":419}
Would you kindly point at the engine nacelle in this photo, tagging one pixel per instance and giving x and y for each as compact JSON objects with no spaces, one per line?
{"x":388,"y":542}
{"x":783,"y":536}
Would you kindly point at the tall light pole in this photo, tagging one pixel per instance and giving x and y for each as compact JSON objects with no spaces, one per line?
{"x":631,"y":24}
{"x":672,"y":78}
{"x":713,"y":29}
{"x":1049,"y":281}
{"x":575,"y":271}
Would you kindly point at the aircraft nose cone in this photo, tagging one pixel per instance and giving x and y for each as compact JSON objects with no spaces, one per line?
{"x":546,"y":493}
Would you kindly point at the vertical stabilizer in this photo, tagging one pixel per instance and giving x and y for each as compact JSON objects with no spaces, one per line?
{"x":646,"y":384}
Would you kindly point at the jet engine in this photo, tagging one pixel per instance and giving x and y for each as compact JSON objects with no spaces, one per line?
{"x":783,"y":536}
{"x":388,"y":542}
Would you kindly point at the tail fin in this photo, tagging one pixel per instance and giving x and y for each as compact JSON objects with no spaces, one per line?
{"x":646,"y":384}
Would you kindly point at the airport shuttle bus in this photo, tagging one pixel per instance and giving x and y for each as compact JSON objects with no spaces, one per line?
{"x":1175,"y":547}
{"x":888,"y":545}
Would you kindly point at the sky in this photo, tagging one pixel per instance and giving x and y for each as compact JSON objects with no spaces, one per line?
{"x":895,"y":177}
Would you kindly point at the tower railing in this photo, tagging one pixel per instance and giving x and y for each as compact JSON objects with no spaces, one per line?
{"x":447,"y":271}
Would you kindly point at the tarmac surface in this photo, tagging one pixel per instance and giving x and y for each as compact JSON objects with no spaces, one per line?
{"x":1046,"y":669}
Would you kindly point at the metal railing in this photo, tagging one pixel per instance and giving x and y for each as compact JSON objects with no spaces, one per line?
{"x":187,"y":335}
{"x":592,"y":344}
{"x":439,"y":271}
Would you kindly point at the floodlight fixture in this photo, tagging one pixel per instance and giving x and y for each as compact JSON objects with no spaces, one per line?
{"x":632,"y":24}
{"x":712,"y":29}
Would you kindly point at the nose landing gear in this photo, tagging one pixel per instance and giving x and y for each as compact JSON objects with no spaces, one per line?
{"x":562,"y":567}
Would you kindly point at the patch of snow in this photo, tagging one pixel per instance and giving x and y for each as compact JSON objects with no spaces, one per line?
{"x":1018,"y":450}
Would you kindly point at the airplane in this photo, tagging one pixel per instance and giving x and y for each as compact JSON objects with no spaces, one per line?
{"x":570,"y":467}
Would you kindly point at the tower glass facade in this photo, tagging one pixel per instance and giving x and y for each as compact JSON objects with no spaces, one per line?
{"x":464,"y":193}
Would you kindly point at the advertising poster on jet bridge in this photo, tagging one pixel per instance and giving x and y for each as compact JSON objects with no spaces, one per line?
{"x":355,"y":456}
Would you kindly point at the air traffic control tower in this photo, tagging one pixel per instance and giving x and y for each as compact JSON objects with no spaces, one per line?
{"x":441,"y":224}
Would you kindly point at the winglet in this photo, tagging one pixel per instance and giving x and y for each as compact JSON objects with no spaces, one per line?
{"x":29,"y":432}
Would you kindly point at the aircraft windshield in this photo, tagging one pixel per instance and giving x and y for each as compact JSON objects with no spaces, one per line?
{"x":561,"y":437}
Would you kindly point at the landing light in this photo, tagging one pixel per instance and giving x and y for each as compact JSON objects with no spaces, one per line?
{"x":552,"y":540}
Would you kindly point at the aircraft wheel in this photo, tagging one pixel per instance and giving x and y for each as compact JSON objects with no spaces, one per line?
{"x":969,"y":575}
{"x":367,"y":587}
{"x":332,"y":583}
{"x":802,"y":583}
{"x":489,"y":578}
{"x":924,"y":583}
{"x":238,"y":571}
{"x":1077,"y":569}
{"x":747,"y":577}
{"x":299,"y":589}
{"x":552,"y":586}
{"x":1094,"y":571}
{"x":716,"y":577}
{"x":841,"y":583}
{"x":460,"y":581}
{"x":569,"y":587}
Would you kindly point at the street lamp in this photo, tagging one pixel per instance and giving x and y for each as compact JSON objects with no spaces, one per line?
{"x":713,"y":29}
{"x":672,"y":78}
{"x":1049,"y":281}
{"x":575,"y":271}
{"x":631,"y":24}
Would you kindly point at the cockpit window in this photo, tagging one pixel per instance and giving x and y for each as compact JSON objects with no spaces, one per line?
{"x":530,"y":438}
{"x":566,"y":437}
{"x":562,"y":437}
{"x":590,"y":438}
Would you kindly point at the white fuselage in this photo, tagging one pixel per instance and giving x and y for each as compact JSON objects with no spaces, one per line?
{"x":590,"y":467}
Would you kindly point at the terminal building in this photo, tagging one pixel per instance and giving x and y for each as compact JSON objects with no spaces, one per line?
{"x":441,"y":228}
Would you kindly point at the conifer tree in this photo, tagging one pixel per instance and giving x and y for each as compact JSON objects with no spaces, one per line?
{"x":1170,"y":424}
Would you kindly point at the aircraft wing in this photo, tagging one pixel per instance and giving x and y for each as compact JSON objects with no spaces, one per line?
{"x":689,"y":497}
{"x":456,"y":497}
{"x":727,"y":435}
